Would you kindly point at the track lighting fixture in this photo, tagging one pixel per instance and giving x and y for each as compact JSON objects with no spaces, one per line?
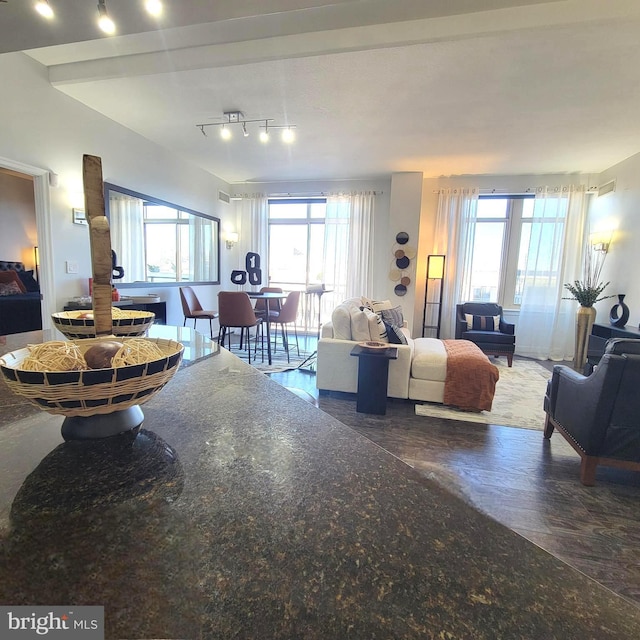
{"x":230,"y":118}
{"x":153,"y":7}
{"x":104,"y":21}
{"x":44,"y":8}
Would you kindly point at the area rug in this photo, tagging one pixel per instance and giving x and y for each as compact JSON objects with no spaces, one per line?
{"x":278,"y":361}
{"x":517,"y":402}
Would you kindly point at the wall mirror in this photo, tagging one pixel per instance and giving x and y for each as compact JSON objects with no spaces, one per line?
{"x":159,"y":243}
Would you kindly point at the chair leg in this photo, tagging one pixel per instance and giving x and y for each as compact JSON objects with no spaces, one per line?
{"x":184,"y":324}
{"x":285,"y":340}
{"x":588,"y":470}
{"x":548,"y":427}
{"x":510,"y":358}
{"x":295,"y":331}
{"x":211,"y":328}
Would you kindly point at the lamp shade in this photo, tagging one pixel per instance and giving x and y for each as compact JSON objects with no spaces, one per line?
{"x":435,"y":267}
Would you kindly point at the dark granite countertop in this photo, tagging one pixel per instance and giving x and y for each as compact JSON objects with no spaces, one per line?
{"x":241,"y":511}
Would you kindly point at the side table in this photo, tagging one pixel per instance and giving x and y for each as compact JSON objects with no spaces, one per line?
{"x":373,"y":377}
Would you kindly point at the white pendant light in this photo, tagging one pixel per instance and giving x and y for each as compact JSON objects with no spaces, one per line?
{"x":104,"y":21}
{"x":288,"y":135}
{"x":153,"y":7}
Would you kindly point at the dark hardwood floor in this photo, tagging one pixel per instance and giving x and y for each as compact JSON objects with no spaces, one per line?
{"x":523,"y":481}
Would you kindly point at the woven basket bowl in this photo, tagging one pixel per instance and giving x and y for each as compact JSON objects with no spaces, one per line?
{"x":92,"y":391}
{"x":127,"y":324}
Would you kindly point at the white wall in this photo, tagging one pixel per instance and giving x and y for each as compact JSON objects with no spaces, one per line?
{"x":620,"y":211}
{"x":45,"y":128}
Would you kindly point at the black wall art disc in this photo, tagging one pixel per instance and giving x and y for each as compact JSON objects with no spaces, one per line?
{"x":400,"y":290}
{"x":402,"y":263}
{"x":402,"y":237}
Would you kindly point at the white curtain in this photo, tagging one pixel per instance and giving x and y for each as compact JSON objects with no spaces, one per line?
{"x":348,"y":254}
{"x":254,"y":232}
{"x":127,"y":235}
{"x":546,"y":325}
{"x":455,"y":230}
{"x":203,"y":251}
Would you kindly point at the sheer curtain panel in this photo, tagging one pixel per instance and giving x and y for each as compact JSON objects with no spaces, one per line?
{"x":348,"y":253}
{"x":455,"y":230}
{"x":546,"y":325}
{"x":127,"y":234}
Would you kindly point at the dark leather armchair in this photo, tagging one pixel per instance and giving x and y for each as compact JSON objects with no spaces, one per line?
{"x":599,"y":415}
{"x":492,"y":341}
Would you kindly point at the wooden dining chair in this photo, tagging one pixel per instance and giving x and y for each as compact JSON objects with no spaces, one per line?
{"x":287,"y":315}
{"x":191,"y":308}
{"x":236,"y":312}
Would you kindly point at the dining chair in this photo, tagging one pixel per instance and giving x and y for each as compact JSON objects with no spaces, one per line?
{"x":236,"y":312}
{"x":261,"y":306}
{"x":191,"y":308}
{"x":287,"y":315}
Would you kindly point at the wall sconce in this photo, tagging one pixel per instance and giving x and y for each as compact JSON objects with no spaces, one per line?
{"x":600,"y":241}
{"x":231,"y":238}
{"x":435,"y":272}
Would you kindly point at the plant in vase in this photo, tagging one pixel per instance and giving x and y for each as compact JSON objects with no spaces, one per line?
{"x":587,"y":292}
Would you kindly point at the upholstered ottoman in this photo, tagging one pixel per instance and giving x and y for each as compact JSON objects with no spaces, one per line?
{"x":428,"y":370}
{"x":453,"y":372}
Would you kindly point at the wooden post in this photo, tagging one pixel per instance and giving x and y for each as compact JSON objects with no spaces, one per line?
{"x":100,"y":241}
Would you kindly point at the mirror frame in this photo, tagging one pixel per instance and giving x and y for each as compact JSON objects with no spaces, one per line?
{"x":109,"y":186}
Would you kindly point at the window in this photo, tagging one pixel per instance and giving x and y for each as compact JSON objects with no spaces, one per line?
{"x":296,"y":242}
{"x":500,"y":249}
{"x":296,"y":247}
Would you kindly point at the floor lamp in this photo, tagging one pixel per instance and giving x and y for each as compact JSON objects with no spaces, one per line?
{"x":435,"y":275}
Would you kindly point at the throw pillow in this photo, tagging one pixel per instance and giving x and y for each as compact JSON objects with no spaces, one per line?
{"x":482,"y":323}
{"x":376,"y":305}
{"x":341,"y":320}
{"x":359,"y":326}
{"x":395,"y":334}
{"x":377,"y":330}
{"x":9,"y":289}
{"x":393,"y":316}
{"x":29,"y":282}
{"x":12,"y":276}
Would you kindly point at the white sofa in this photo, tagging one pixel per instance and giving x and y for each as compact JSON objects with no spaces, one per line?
{"x":419,"y":372}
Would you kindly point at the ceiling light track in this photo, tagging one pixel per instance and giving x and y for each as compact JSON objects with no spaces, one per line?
{"x":233,"y":119}
{"x":105,"y":22}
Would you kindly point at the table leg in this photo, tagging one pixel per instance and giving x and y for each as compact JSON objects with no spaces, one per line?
{"x":268,"y":330}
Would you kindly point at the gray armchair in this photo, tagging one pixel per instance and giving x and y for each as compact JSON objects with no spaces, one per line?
{"x":494,"y":341}
{"x":599,"y":415}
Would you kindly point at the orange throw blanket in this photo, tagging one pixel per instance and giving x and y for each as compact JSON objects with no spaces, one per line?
{"x":471,"y":379}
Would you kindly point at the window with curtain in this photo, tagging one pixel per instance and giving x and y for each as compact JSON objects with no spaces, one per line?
{"x":500,"y":238}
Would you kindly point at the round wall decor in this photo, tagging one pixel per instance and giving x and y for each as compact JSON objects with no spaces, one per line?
{"x":402,"y":237}
{"x":401,"y":261}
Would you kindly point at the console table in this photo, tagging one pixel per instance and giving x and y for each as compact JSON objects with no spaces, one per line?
{"x":600,"y":333}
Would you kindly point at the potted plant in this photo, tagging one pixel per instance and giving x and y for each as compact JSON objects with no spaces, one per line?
{"x":587,"y":292}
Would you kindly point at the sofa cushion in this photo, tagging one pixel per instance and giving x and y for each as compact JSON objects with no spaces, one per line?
{"x":9,"y":289}
{"x":482,"y":323}
{"x":376,"y":305}
{"x":377,"y":329}
{"x":12,"y":276}
{"x":429,"y":360}
{"x":341,"y":321}
{"x":359,"y":325}
{"x":393,"y":316}
{"x":395,"y":335}
{"x":29,"y":282}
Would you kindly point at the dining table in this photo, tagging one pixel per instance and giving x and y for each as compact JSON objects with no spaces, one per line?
{"x":268,"y":297}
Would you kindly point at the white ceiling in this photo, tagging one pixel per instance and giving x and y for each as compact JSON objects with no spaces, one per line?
{"x":373,"y":86}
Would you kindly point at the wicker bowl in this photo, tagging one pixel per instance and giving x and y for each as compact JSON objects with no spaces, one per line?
{"x":125,"y":323}
{"x":92,"y":391}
